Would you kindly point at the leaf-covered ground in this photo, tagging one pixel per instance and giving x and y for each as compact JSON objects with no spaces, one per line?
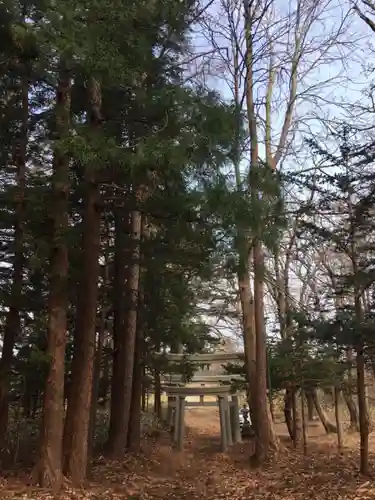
{"x":202,"y":472}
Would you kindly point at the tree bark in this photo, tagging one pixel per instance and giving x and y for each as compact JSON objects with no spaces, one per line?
{"x":243,"y":247}
{"x":292,"y":415}
{"x":288,"y":412}
{"x":352,"y":409}
{"x":134,"y":432}
{"x":348,"y":393}
{"x":338,"y":419}
{"x":12,"y":322}
{"x":144,"y":388}
{"x":310,"y":406}
{"x":264,"y":434}
{"x":119,"y":439}
{"x":303,"y":419}
{"x":362,"y":408}
{"x":98,"y":360}
{"x":157,"y":388}
{"x":76,"y":432}
{"x":328,"y":426}
{"x":48,"y":471}
{"x":247,"y":307}
{"x":121,"y":257}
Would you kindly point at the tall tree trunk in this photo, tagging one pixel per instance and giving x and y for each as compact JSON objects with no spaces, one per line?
{"x":48,"y":471}
{"x":77,"y":421}
{"x":134,"y":431}
{"x":266,"y":438}
{"x":12,"y":322}
{"x":119,"y":439}
{"x":243,"y":247}
{"x":119,"y":341}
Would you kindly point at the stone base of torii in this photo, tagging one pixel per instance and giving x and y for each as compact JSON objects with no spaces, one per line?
{"x":230,"y":431}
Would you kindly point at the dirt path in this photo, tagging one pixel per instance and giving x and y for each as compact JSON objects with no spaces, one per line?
{"x":201,"y":471}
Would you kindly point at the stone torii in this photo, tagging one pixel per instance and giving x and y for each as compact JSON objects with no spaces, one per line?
{"x":230,"y":431}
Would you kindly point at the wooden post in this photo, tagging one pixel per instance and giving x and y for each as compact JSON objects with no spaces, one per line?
{"x":223,"y":432}
{"x":235,"y":420}
{"x":181,"y":426}
{"x":227,"y":421}
{"x":176,"y":420}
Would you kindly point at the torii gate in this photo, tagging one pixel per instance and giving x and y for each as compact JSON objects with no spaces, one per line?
{"x":230,"y":431}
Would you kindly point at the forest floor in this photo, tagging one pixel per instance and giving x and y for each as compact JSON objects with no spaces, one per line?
{"x":202,"y":472}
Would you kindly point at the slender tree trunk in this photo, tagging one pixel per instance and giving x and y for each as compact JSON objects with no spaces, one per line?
{"x":328,"y":426}
{"x":263,"y":443}
{"x":144,"y":388}
{"x":134,"y":432}
{"x":247,"y":307}
{"x":292,"y":415}
{"x":352,"y":409}
{"x":338,"y":419}
{"x":157,"y":393}
{"x":119,"y":341}
{"x":296,"y":419}
{"x":98,"y":360}
{"x":348,"y":394}
{"x":288,"y":412}
{"x":12,"y":322}
{"x":303,"y":419}
{"x":77,"y":421}
{"x":266,"y":438}
{"x":362,"y":407}
{"x":310,"y":406}
{"x":48,"y":471}
{"x":105,"y":382}
{"x":243,"y":247}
